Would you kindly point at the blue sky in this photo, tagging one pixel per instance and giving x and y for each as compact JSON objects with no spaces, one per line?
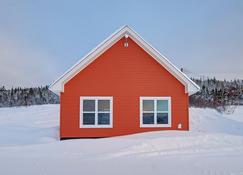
{"x":40,"y":40}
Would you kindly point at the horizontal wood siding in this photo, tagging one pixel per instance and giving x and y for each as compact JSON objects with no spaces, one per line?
{"x":126,"y":74}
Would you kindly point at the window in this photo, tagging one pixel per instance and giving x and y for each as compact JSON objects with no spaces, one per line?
{"x":155,"y":112}
{"x":95,"y":112}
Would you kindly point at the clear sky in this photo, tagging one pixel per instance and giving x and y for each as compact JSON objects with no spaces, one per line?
{"x":40,"y":40}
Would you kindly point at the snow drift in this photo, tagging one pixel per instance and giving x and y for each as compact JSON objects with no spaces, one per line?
{"x":29,"y":142}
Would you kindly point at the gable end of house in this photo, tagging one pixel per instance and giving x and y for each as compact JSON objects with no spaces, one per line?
{"x":58,"y":85}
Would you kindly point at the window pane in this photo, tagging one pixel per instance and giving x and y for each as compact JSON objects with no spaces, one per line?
{"x":148,"y":105}
{"x":88,"y":105}
{"x":162,"y":105}
{"x":148,"y":118}
{"x":103,"y":105}
{"x":162,"y":118}
{"x":88,"y":118}
{"x":103,"y":118}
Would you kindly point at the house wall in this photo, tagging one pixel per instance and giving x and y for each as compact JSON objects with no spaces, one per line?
{"x":126,"y":74}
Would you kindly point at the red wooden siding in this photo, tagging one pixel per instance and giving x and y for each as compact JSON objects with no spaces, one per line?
{"x":126,"y":74}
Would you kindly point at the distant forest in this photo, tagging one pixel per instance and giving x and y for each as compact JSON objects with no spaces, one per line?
{"x":214,"y":93}
{"x":27,"y":96}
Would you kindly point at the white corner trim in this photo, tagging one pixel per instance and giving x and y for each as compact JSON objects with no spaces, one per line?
{"x":58,"y":85}
{"x":155,"y":112}
{"x":96,"y":98}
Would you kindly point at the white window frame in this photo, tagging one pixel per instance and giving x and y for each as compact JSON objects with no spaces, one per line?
{"x":155,"y":125}
{"x":96,"y":98}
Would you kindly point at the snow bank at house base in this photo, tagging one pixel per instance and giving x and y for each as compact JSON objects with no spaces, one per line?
{"x":29,"y":144}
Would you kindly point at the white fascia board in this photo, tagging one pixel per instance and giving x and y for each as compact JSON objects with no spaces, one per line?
{"x":190,"y":86}
{"x":58,"y":85}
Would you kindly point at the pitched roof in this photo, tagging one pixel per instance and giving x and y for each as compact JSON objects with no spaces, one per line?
{"x":58,"y":85}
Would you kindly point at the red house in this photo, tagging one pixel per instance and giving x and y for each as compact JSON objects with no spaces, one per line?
{"x":123,"y":86}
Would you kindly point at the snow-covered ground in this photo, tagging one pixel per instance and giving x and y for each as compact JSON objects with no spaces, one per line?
{"x":29,"y":145}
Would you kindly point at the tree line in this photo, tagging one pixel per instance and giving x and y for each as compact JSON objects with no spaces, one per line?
{"x":213,"y":93}
{"x":27,"y":96}
{"x":216,"y":93}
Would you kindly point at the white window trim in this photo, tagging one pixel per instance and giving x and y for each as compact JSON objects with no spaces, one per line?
{"x":96,"y":98}
{"x":155,"y":107}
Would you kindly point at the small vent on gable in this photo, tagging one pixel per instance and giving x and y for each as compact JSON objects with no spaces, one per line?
{"x":126,"y":40}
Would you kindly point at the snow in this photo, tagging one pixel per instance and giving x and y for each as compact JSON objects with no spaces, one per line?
{"x":29,"y":144}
